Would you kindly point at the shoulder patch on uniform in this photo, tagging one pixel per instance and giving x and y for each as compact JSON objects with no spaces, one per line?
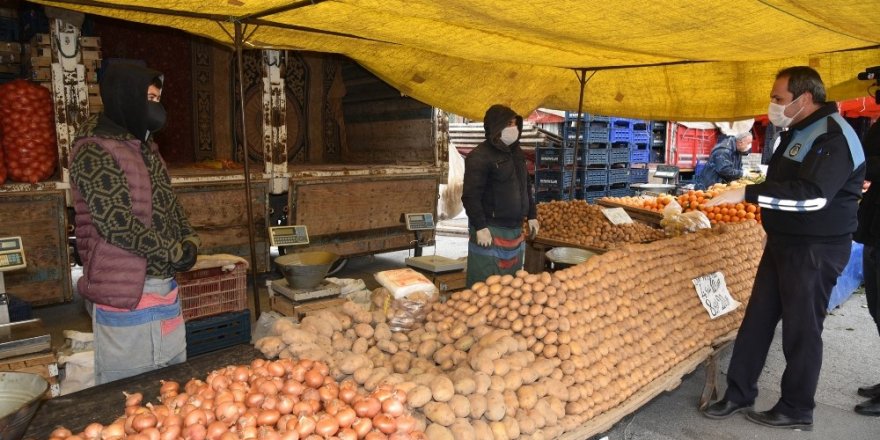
{"x":793,"y":151}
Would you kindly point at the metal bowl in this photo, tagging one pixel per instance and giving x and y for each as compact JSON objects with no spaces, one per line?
{"x":20,"y":396}
{"x":305,"y":270}
{"x":568,"y":256}
{"x":659,"y":188}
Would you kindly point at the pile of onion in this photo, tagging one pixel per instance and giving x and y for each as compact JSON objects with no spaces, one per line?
{"x":266,"y":400}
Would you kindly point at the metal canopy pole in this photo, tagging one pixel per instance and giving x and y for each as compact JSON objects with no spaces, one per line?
{"x":239,"y":42}
{"x":582,"y":78}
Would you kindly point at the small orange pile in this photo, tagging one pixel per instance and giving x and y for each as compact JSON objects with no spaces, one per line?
{"x":655,"y":204}
{"x":725,"y":213}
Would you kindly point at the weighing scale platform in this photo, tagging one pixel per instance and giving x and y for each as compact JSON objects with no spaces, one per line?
{"x":323,"y":290}
{"x":436,"y":263}
{"x":23,"y":337}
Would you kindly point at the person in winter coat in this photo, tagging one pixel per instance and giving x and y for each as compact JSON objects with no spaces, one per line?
{"x":725,"y":161}
{"x":497,"y":197}
{"x":869,"y":235}
{"x":809,"y":205}
{"x":131,"y":232}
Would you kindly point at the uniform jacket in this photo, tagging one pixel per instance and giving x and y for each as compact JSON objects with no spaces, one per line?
{"x":496,"y":188}
{"x":813,"y":188}
{"x":129,"y":224}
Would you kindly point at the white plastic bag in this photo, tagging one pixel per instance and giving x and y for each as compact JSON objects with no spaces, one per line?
{"x":79,"y":371}
{"x":402,"y":282}
{"x":264,"y":324}
{"x":676,"y":223}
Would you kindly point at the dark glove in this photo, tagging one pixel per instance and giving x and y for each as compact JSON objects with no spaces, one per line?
{"x":188,"y":259}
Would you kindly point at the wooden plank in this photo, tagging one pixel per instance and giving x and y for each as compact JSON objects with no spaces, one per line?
{"x":40,"y":219}
{"x":644,"y":215}
{"x":363,"y":246}
{"x":666,"y":382}
{"x":399,"y":141}
{"x":219,"y":215}
{"x":348,"y":205}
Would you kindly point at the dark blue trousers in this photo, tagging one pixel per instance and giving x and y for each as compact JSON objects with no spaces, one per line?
{"x":793,"y":283}
{"x":871,"y":268}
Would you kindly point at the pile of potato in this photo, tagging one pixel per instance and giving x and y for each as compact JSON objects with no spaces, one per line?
{"x":535,"y":355}
{"x":579,"y":222}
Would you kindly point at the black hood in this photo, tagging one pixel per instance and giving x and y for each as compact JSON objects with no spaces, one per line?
{"x":496,"y":119}
{"x":124,"y":92}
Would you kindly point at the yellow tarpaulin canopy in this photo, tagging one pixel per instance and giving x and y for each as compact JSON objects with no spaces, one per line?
{"x":653,"y":59}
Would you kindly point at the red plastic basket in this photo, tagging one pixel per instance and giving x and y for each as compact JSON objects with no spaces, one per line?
{"x":212,"y":291}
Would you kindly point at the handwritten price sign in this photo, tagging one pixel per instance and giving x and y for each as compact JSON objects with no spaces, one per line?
{"x":714,"y":295}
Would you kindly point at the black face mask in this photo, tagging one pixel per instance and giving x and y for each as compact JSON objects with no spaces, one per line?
{"x":155,"y":116}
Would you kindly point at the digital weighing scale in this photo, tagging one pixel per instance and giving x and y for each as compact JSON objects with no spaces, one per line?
{"x":295,"y":235}
{"x":669,"y":174}
{"x":17,"y":338}
{"x":424,"y":221}
{"x":298,"y":235}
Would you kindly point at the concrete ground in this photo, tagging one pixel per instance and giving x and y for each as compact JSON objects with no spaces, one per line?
{"x":851,"y":359}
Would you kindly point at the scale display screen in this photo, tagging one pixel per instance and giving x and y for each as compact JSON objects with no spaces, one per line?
{"x":11,"y":254}
{"x":288,"y":235}
{"x":419,"y":221}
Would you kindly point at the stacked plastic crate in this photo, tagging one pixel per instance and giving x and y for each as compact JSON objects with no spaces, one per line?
{"x":640,"y":151}
{"x":554,"y":168}
{"x":10,"y":49}
{"x":621,"y":138}
{"x":592,"y":175}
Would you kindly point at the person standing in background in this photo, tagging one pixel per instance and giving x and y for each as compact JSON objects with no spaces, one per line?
{"x":131,"y":232}
{"x":497,"y":197}
{"x":725,"y":161}
{"x":869,"y":235}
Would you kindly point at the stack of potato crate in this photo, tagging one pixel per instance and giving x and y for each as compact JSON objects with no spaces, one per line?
{"x":91,"y":58}
{"x":39,"y":62}
{"x":45,"y":364}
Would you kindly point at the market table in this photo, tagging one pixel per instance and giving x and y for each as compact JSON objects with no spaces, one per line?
{"x":104,"y":403}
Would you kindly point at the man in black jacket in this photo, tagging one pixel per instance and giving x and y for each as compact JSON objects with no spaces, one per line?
{"x":808,"y":205}
{"x":497,"y":197}
{"x":869,"y":235}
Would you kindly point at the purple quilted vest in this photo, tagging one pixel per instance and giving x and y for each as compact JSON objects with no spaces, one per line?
{"x":111,"y":275}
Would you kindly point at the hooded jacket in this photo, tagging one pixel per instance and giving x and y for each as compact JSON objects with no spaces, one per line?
{"x":496,"y":188}
{"x":724,"y":164}
{"x":129,"y":224}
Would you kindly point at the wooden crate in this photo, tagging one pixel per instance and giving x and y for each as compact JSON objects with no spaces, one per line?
{"x":300,"y":310}
{"x":44,"y":364}
{"x":90,"y":42}
{"x":218,"y":213}
{"x":370,"y":222}
{"x":447,"y":282}
{"x":39,"y":218}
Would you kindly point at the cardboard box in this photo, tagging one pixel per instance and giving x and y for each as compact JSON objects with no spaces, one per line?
{"x":13,"y":69}
{"x":40,"y":51}
{"x":94,"y":89}
{"x":300,"y":310}
{"x":92,"y":77}
{"x":41,"y":40}
{"x":90,"y":42}
{"x":40,"y":61}
{"x":9,"y":57}
{"x":91,"y":54}
{"x":92,"y":65}
{"x":41,"y":74}
{"x":95,"y":100}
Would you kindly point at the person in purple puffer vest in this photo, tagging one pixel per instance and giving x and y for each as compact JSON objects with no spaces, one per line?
{"x":131,"y":232}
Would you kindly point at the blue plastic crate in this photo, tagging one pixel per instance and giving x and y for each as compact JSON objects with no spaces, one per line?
{"x":593,"y":156}
{"x":619,"y":154}
{"x":599,"y":118}
{"x":640,"y":153}
{"x":553,"y":178}
{"x":640,"y":125}
{"x":210,"y":334}
{"x":620,"y":192}
{"x":554,"y":156}
{"x":618,"y":175}
{"x":598,"y":135}
{"x":547,"y":196}
{"x":620,"y":135}
{"x":19,"y":310}
{"x":621,"y":123}
{"x":641,"y":136}
{"x":638,"y":175}
{"x":591,"y":194}
{"x":591,"y":177}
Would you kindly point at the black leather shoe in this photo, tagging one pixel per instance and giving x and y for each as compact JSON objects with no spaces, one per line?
{"x":774,"y":419}
{"x":870,"y":392}
{"x":869,"y":407}
{"x":723,"y":409}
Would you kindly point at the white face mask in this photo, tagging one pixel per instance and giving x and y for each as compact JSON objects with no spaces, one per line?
{"x":509,"y":135}
{"x":776,"y":113}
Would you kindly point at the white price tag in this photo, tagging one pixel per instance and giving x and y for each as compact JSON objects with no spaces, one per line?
{"x":714,"y":295}
{"x":617,"y":216}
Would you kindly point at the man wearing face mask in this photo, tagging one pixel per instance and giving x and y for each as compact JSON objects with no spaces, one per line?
{"x":497,"y":196}
{"x":725,"y":161}
{"x":131,"y":231}
{"x":808,"y":204}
